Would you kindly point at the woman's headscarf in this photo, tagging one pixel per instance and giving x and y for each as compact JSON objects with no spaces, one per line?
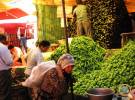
{"x":65,"y":60}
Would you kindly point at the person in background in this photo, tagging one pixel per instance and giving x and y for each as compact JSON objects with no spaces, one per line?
{"x":34,"y":56}
{"x":52,"y":79}
{"x":80,"y":13}
{"x":17,"y":55}
{"x":5,"y":72}
{"x":23,"y":43}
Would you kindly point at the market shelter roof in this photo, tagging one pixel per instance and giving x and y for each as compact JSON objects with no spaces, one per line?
{"x":130,"y":4}
{"x":55,"y":2}
{"x":4,"y":7}
{"x":12,"y":28}
{"x":13,"y":13}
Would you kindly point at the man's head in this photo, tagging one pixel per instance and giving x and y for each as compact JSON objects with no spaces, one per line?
{"x":11,"y":48}
{"x":66,"y":61}
{"x":3,"y":39}
{"x":44,"y":45}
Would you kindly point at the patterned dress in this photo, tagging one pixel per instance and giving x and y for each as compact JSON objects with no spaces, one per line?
{"x":53,"y":86}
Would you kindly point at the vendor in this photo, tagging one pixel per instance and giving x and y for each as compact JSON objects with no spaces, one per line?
{"x":17,"y":55}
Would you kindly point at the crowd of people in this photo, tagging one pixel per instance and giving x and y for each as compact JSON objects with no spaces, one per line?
{"x":45,"y":80}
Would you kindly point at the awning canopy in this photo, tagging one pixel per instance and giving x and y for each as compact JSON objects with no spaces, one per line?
{"x":13,"y":13}
{"x":130,"y":4}
{"x":55,"y":2}
{"x":4,"y":7}
{"x":12,"y":28}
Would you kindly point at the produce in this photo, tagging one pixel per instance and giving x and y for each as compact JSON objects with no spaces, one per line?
{"x":88,"y":57}
{"x":88,"y":54}
{"x":58,"y":52}
{"x":116,"y":70}
{"x":92,"y":71}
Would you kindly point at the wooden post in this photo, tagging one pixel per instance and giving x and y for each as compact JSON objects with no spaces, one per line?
{"x":67,"y":46}
{"x":65,"y":25}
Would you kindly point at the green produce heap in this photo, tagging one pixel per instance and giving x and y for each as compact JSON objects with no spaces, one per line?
{"x":92,"y":70}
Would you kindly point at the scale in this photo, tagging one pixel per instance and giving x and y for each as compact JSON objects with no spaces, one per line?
{"x":123,"y":91}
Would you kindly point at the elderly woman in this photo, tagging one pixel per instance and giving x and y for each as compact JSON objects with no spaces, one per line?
{"x":52,"y":79}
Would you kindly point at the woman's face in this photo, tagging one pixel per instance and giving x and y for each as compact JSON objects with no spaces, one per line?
{"x":68,"y":69}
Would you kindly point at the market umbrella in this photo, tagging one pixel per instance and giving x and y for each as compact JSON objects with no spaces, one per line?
{"x":4,"y":7}
{"x":13,"y":13}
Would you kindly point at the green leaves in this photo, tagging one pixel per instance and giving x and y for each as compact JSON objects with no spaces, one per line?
{"x":117,"y":69}
{"x":92,"y":70}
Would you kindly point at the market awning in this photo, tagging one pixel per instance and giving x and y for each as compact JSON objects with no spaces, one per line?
{"x":13,"y":13}
{"x":12,"y":28}
{"x":4,"y":7}
{"x":130,"y":4}
{"x":55,"y":2}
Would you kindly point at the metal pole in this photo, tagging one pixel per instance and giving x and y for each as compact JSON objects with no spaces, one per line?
{"x":65,"y":25}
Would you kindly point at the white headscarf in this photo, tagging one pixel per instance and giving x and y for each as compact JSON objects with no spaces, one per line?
{"x":65,"y":60}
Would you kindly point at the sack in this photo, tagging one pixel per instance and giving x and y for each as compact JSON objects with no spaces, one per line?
{"x":54,"y":84}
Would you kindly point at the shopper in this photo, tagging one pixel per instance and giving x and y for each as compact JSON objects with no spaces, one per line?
{"x":5,"y":72}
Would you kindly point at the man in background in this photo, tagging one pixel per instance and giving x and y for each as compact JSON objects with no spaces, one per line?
{"x":80,"y":13}
{"x":34,"y":56}
{"x":5,"y":73}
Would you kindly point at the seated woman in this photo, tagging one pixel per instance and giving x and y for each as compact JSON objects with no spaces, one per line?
{"x":17,"y":54}
{"x":51,"y":79}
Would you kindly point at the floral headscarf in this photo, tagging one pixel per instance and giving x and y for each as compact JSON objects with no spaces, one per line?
{"x":65,"y":60}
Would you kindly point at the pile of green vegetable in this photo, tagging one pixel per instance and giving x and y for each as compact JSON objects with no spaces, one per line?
{"x":120,"y":68}
{"x":92,"y":70}
{"x":87,"y":54}
{"x":116,"y":70}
